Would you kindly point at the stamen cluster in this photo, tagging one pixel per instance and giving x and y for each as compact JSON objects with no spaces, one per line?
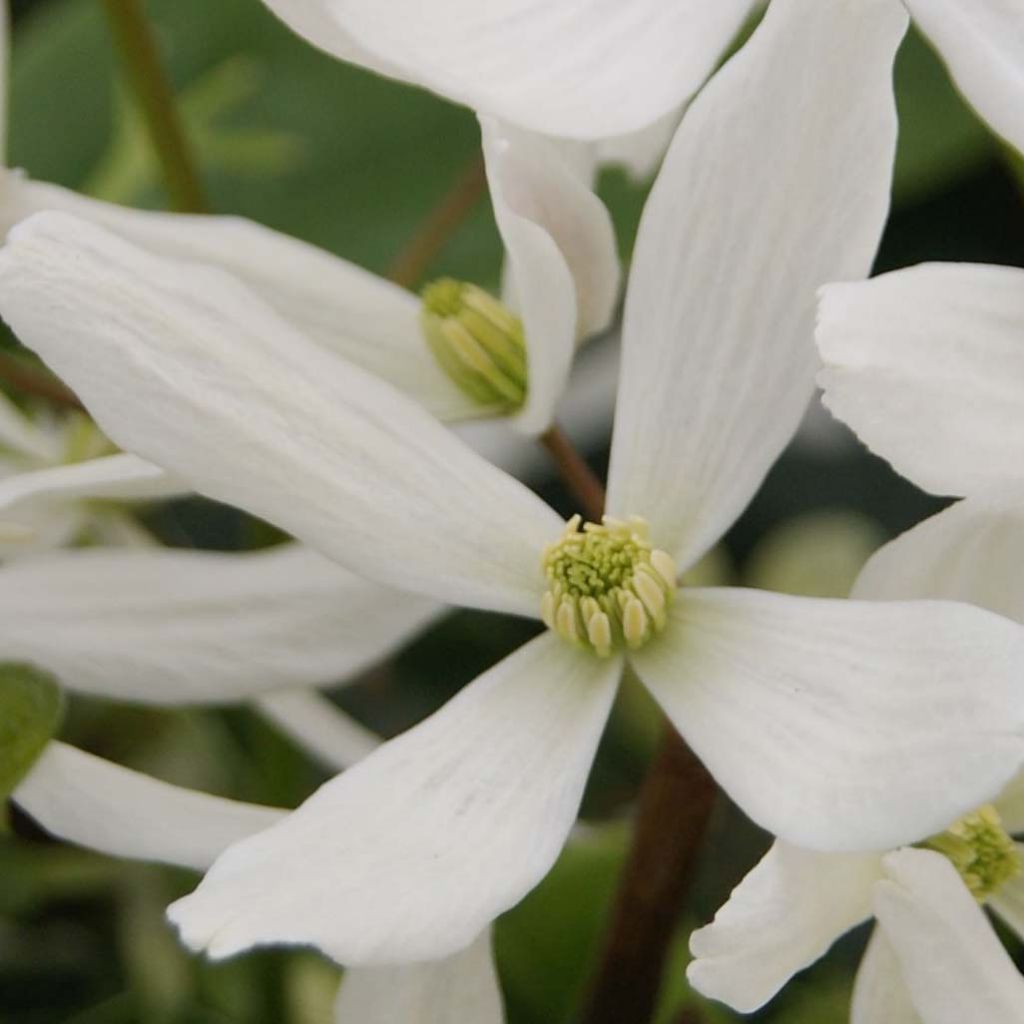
{"x":607,"y":587}
{"x":478,"y":343}
{"x":981,"y":851}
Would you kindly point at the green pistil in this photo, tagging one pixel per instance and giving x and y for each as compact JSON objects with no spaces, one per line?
{"x":607,"y":587}
{"x":477,"y":342}
{"x":981,"y":851}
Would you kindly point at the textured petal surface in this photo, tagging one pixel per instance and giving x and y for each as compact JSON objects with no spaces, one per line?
{"x":880,"y":994}
{"x":462,"y":989}
{"x":781,"y":918}
{"x":325,"y":731}
{"x":953,"y":964}
{"x":927,"y":366}
{"x":172,"y":627}
{"x":970,"y":552}
{"x":369,"y":321}
{"x":169,"y":356}
{"x":776,"y":182}
{"x":983,"y":45}
{"x":579,"y":68}
{"x":105,"y":807}
{"x":411,"y":853}
{"x":561,"y":254}
{"x":843,"y":725}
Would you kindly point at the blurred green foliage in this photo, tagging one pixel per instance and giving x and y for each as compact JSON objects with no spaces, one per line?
{"x":353,"y":163}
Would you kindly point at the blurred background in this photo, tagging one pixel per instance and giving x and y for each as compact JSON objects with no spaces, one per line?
{"x":353,"y":163}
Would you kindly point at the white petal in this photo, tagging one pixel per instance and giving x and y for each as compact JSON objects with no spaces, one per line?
{"x":1008,"y":900}
{"x":561,"y":252}
{"x":366,"y":319}
{"x":953,"y":964}
{"x":1010,"y":805}
{"x":462,"y":989}
{"x":579,"y":68}
{"x":843,"y":725}
{"x":171,"y":626}
{"x":776,"y":182}
{"x":411,"y":853}
{"x":640,"y":152}
{"x":880,"y":995}
{"x":336,"y":739}
{"x":95,"y":803}
{"x":183,"y":365}
{"x":780,"y":919}
{"x":983,"y":44}
{"x":969,"y":552}
{"x":927,"y":366}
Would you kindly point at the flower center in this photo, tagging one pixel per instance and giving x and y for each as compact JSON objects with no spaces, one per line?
{"x":606,"y":585}
{"x":981,"y":851}
{"x":477,"y":342}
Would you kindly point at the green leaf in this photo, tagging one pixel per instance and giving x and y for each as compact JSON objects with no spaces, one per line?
{"x":31,"y":708}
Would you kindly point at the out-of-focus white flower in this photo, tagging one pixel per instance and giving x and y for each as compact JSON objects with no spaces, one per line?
{"x":803,"y":709}
{"x":583,"y":69}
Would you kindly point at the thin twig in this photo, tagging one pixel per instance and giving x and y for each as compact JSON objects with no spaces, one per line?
{"x":675,"y":806}
{"x":578,"y":476}
{"x":40,"y":383}
{"x":152,"y":88}
{"x":439,"y":226}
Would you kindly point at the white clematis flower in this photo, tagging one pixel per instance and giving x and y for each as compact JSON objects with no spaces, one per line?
{"x":934,"y":959}
{"x":412,"y":853}
{"x":583,"y":69}
{"x":114,"y":810}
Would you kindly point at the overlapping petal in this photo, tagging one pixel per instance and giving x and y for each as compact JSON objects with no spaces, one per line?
{"x":953,"y":964}
{"x":168,"y":626}
{"x":1008,"y":900}
{"x":366,"y":319}
{"x":781,"y":918}
{"x":411,"y":853}
{"x":776,"y":182}
{"x":578,"y":68}
{"x":927,"y":366}
{"x":105,"y":807}
{"x":461,"y":989}
{"x":170,"y":356}
{"x":809,"y":711}
{"x":880,"y":995}
{"x":983,"y":44}
{"x":561,"y":253}
{"x":969,"y":552}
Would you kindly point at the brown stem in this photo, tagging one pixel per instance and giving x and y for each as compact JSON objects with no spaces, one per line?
{"x":439,"y":226}
{"x":144,"y":68}
{"x":675,"y":806}
{"x":30,"y":380}
{"x":578,"y":476}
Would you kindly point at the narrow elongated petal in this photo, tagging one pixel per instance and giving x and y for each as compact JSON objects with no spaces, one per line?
{"x":982,"y":43}
{"x":843,"y":725}
{"x":969,"y":552}
{"x":411,"y":853}
{"x":173,"y":627}
{"x":462,"y":989}
{"x":334,"y":303}
{"x":780,"y":919}
{"x":953,"y":964}
{"x":184,"y":366}
{"x":105,"y":807}
{"x":316,"y":724}
{"x":1008,"y":900}
{"x":776,"y":182}
{"x":880,"y":994}
{"x":561,"y":252}
{"x":579,"y":68}
{"x":927,"y":366}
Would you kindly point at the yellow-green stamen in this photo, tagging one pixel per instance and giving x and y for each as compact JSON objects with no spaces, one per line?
{"x":607,"y":586}
{"x":477,"y":342}
{"x":981,"y":851}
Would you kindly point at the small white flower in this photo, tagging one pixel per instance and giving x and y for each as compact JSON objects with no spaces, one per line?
{"x":803,"y":709}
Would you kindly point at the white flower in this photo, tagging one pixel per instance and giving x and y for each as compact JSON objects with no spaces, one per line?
{"x":803,"y":709}
{"x":584,"y":69}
